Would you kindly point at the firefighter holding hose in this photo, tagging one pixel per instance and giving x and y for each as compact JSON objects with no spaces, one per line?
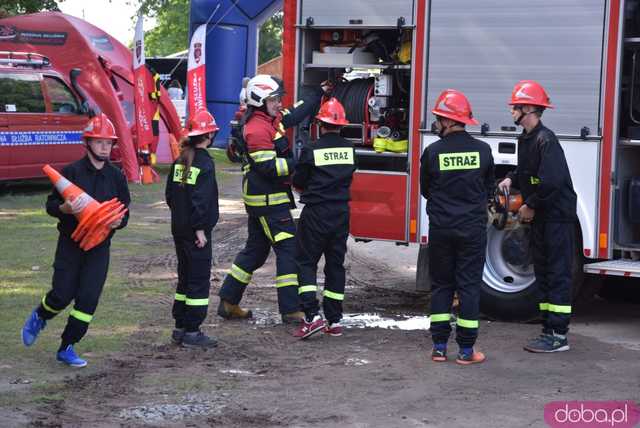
{"x":79,"y":275}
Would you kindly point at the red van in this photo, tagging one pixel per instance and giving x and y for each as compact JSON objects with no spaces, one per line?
{"x":41,"y":117}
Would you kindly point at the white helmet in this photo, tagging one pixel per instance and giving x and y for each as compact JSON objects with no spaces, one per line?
{"x":261,"y":87}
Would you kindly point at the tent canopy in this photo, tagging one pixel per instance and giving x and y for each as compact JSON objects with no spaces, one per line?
{"x":106,"y":78}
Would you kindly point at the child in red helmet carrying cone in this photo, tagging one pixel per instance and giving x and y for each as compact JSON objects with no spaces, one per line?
{"x":79,"y":275}
{"x":324,"y":173}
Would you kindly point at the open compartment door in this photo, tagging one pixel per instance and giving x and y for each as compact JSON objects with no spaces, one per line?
{"x":366,"y":49}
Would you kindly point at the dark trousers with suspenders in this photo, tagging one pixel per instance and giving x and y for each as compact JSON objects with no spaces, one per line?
{"x":553,"y":247}
{"x":456,"y":261}
{"x":78,"y":276}
{"x":194,"y":281}
{"x":323,"y":230}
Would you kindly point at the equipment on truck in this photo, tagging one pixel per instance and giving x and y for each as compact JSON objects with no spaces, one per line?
{"x":416,"y":49}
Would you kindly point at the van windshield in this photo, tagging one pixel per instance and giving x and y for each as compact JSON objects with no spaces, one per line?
{"x":61,"y":98}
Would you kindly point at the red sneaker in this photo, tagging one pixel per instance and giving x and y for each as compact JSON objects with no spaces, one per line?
{"x":474,"y":357}
{"x":334,"y":329}
{"x":309,"y":328}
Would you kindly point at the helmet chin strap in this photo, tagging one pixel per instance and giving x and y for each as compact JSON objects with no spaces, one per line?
{"x":522,"y":115}
{"x":445,"y":129}
{"x":212,"y":137}
{"x":95,"y":156}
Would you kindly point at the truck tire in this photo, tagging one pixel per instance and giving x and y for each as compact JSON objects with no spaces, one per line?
{"x":591,"y":286}
{"x":423,"y":282}
{"x":509,"y":291}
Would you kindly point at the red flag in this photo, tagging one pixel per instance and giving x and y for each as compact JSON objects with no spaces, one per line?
{"x":142,"y":89}
{"x":196,"y":89}
{"x":144,"y":109}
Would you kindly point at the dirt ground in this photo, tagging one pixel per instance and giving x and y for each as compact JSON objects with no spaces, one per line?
{"x":260,"y":376}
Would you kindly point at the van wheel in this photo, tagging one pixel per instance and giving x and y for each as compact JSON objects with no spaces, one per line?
{"x":509,"y":290}
{"x":423,"y":282}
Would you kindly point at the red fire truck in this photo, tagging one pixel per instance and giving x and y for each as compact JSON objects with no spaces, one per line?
{"x":391,"y":58}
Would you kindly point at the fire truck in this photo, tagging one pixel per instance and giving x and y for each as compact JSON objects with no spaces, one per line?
{"x":391,"y":58}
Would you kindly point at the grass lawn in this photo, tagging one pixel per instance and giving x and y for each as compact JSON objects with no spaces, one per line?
{"x":28,"y":239}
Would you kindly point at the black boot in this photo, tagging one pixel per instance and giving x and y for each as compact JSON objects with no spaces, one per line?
{"x":177,"y":335}
{"x":198,"y":339}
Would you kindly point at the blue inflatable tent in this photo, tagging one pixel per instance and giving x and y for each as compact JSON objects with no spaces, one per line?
{"x":231,"y":50}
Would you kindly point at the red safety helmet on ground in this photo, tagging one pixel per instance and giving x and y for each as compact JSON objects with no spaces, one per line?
{"x":530,"y":92}
{"x":201,"y":123}
{"x":454,"y":105}
{"x":100,"y":126}
{"x":332,"y":112}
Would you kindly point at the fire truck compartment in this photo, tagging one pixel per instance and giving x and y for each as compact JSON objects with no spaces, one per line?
{"x":341,"y":13}
{"x":634,"y":200}
{"x":376,"y":96}
{"x":626,"y":188}
{"x":627,"y":197}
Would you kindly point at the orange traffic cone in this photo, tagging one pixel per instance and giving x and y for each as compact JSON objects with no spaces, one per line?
{"x":149,"y":175}
{"x":94,"y":218}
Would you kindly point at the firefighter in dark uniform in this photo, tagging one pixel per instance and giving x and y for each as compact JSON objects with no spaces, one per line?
{"x":456,"y":178}
{"x":324,"y":173}
{"x":80,"y":275}
{"x":192,"y":196}
{"x":543,"y":177}
{"x":267,"y":166}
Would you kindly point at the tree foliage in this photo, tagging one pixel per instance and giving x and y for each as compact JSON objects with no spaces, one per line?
{"x":171,"y":33}
{"x":17,"y":7}
{"x":270,"y":43}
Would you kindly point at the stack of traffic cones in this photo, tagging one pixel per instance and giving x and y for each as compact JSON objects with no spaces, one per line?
{"x":94,"y":217}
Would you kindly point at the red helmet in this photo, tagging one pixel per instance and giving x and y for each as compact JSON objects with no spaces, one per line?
{"x":454,"y":105}
{"x":530,"y":92}
{"x":100,"y":126}
{"x":332,"y":112}
{"x":201,"y":123}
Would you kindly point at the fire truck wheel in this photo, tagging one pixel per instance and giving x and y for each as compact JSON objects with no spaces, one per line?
{"x":423,"y":282}
{"x":509,"y":291}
